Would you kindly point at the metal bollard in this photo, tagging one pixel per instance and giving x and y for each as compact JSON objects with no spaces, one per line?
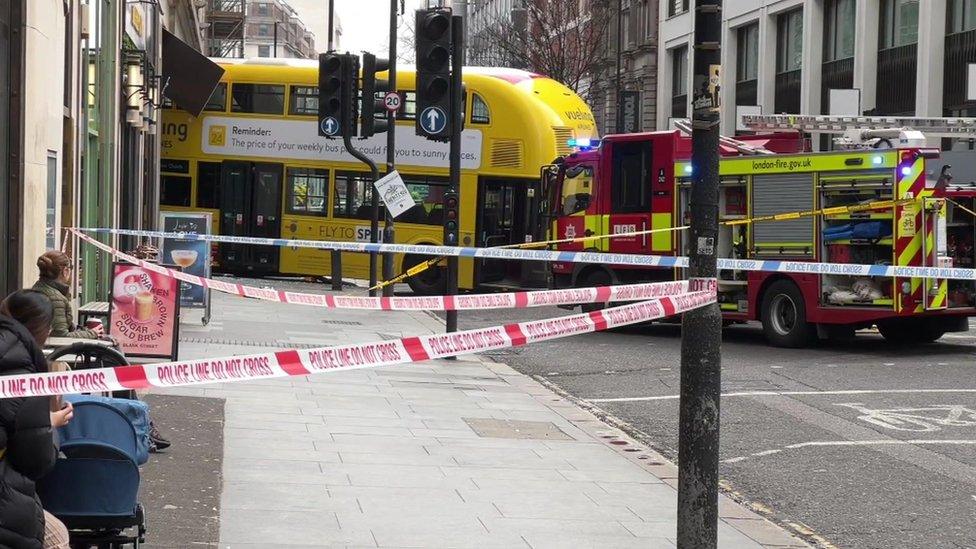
{"x":336,"y":256}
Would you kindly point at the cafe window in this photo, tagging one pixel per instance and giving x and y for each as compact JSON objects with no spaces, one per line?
{"x":308,"y":190}
{"x":258,"y":98}
{"x":208,"y":185}
{"x":479,"y":110}
{"x":218,"y":99}
{"x":899,"y":23}
{"x":304,"y":101}
{"x":175,"y":191}
{"x":353,"y":193}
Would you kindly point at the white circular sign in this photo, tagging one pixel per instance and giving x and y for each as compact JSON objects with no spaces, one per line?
{"x":392,"y":101}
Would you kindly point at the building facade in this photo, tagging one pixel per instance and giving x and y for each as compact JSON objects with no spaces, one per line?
{"x":627,"y":67}
{"x":895,"y":57}
{"x":274,"y":29}
{"x":79,"y":98}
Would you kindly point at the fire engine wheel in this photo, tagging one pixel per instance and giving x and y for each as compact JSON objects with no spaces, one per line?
{"x":596,"y":277}
{"x":433,"y":281}
{"x":784,"y":316}
{"x":910,"y":331}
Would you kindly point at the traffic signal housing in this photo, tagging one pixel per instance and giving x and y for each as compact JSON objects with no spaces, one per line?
{"x":374,"y":111}
{"x":450,"y":200}
{"x":433,"y":39}
{"x":330,"y":94}
{"x":350,"y":94}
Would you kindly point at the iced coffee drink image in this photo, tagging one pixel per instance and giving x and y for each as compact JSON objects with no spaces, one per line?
{"x":184,"y":258}
{"x":145,"y":309}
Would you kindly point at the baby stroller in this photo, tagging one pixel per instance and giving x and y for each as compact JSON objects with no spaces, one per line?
{"x":94,"y":485}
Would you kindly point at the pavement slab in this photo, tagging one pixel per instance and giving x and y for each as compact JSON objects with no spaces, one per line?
{"x":465,"y":453}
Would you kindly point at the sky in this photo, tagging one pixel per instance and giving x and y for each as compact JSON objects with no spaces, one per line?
{"x":364,"y":22}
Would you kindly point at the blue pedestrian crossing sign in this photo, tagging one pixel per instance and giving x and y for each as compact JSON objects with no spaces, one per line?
{"x":433,"y":120}
{"x":329,"y":126}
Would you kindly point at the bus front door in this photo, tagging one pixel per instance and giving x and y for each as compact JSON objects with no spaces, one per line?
{"x":504,"y":214}
{"x":250,"y":205}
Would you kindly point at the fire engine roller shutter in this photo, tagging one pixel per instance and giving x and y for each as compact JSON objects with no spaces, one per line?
{"x":781,"y":193}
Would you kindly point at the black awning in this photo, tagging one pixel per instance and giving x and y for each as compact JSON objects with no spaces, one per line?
{"x":188,"y":77}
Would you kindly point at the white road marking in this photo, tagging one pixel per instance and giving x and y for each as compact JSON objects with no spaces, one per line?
{"x":916,"y":419}
{"x":790,"y":393}
{"x":829,"y":443}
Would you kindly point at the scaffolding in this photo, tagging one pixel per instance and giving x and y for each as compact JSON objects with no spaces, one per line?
{"x":225,"y":35}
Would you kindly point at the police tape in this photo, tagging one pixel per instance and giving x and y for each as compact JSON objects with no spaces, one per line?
{"x":606,"y":258}
{"x":463,"y":302}
{"x":346,"y":357}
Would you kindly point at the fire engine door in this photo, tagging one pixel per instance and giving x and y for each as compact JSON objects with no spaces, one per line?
{"x":630,"y":196}
{"x":935,"y":247}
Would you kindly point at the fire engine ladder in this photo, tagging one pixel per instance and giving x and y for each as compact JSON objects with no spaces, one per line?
{"x":745,"y":148}
{"x":867,"y":126}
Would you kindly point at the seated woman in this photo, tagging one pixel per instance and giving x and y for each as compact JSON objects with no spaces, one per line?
{"x":55,"y":268}
{"x":27,"y":442}
{"x":54,"y":281}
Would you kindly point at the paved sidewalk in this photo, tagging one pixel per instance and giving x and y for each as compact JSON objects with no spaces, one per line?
{"x":463,"y":453}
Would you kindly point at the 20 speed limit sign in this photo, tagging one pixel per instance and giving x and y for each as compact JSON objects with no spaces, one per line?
{"x":392,"y":101}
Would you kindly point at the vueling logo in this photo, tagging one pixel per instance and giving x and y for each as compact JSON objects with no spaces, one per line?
{"x":218,"y":136}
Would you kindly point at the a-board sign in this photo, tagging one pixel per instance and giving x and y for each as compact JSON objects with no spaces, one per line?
{"x":192,"y":255}
{"x":144,"y":312}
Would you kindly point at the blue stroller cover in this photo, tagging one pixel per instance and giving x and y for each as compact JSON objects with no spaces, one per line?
{"x":136,"y":411}
{"x":99,"y":475}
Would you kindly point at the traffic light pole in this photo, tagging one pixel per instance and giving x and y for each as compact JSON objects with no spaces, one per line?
{"x":374,"y":223}
{"x":457,"y":118}
{"x":701,"y":329}
{"x":388,"y":229}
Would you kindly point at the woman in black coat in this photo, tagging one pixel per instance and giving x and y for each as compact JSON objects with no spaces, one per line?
{"x":27,"y":448}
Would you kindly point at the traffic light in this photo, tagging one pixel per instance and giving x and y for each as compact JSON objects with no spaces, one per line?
{"x":374,"y":109}
{"x":450,"y":218}
{"x":349,"y":119}
{"x":433,"y":35}
{"x":330,"y":99}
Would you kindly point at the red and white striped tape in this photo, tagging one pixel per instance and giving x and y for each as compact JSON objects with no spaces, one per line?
{"x":345,"y":357}
{"x":508,"y":300}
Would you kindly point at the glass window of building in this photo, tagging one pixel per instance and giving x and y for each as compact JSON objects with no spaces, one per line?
{"x":789,"y":41}
{"x":899,"y":23}
{"x":218,"y":99}
{"x":676,"y":7}
{"x":264,"y":51}
{"x":747,"y":53}
{"x":175,"y":190}
{"x":839,"y":18}
{"x":679,"y":82}
{"x":304,"y":100}
{"x":261,"y":9}
{"x":264,"y":30}
{"x":962,"y":16}
{"x":258,"y":98}
{"x":308,"y":190}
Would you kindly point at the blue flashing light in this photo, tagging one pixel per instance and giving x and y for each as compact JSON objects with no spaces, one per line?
{"x":877,"y":160}
{"x":688,"y":169}
{"x":906,"y":170}
{"x":583,"y":142}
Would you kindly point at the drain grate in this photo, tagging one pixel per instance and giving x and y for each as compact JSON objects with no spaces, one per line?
{"x":249,"y":343}
{"x":343,"y":322}
{"x":510,"y":428}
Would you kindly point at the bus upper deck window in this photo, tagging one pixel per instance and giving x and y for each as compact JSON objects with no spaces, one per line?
{"x":304,"y":101}
{"x":479,"y":110}
{"x":258,"y":98}
{"x":218,"y":99}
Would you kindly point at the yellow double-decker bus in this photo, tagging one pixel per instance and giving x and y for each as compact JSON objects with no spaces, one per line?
{"x":254,"y":159}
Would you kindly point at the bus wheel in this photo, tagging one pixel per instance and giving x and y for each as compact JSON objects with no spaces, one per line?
{"x":596,"y":277}
{"x":784,"y":316}
{"x":909,"y":331}
{"x":432,"y":281}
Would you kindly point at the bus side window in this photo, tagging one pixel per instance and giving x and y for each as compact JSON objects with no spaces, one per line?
{"x":307,"y":189}
{"x":175,"y":191}
{"x":479,"y":110}
{"x":218,"y":99}
{"x":208,"y":185}
{"x":428,"y":195}
{"x":352,"y":196}
{"x":631,"y":188}
{"x":258,"y":98}
{"x":408,"y":108}
{"x":304,"y":101}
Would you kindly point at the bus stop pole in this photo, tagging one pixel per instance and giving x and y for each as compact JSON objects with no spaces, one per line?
{"x":701,"y":329}
{"x":457,"y":117}
{"x":388,"y":230}
{"x":374,"y":221}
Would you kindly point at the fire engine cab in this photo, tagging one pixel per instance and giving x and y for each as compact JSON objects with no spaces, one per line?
{"x":636,"y":182}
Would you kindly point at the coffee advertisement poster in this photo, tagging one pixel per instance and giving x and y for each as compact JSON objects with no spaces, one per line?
{"x":144,"y":311}
{"x":193,"y":256}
